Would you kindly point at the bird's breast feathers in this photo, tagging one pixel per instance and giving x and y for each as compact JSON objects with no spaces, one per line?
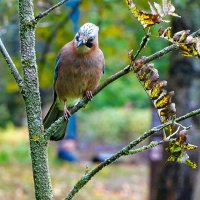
{"x":78,"y":74}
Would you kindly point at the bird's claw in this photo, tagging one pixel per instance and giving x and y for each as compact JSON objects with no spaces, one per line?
{"x":89,"y":95}
{"x":67,"y":113}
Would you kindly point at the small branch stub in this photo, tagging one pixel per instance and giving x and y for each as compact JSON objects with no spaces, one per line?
{"x":45,"y":13}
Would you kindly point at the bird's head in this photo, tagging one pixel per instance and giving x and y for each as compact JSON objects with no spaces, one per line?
{"x":87,"y":36}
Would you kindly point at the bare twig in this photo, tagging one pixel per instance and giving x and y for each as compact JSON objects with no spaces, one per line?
{"x":144,"y":42}
{"x":147,"y":147}
{"x":155,"y":143}
{"x":45,"y":13}
{"x":11,"y":65}
{"x":126,"y":151}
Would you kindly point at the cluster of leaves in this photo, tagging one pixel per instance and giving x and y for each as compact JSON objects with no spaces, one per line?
{"x":157,"y":15}
{"x":189,"y":45}
{"x":149,"y":77}
{"x":178,"y":149}
{"x":155,"y":88}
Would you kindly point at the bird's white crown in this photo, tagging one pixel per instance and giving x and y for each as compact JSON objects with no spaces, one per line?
{"x":89,"y":30}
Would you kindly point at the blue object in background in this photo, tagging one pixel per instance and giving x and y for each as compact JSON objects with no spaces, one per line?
{"x":67,"y":155}
{"x":70,"y":137}
{"x":71,"y":129}
{"x":74,"y":4}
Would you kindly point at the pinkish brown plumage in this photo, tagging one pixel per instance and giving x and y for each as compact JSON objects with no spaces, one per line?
{"x":79,"y":67}
{"x":78,"y":73}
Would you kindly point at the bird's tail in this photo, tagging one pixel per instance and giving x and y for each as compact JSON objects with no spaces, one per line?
{"x":53,"y":114}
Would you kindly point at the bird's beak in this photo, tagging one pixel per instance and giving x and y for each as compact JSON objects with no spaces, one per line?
{"x":80,"y":43}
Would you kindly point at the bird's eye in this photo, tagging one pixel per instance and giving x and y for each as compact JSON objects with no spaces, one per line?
{"x":90,"y":39}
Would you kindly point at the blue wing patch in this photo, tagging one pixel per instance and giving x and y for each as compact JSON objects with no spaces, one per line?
{"x":58,"y":62}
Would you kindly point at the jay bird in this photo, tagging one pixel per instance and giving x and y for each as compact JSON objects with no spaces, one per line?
{"x":79,"y":67}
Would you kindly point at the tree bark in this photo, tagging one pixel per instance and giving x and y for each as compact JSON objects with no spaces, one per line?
{"x":30,"y":92}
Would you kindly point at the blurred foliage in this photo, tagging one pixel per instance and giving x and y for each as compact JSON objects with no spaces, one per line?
{"x":119,"y":33}
{"x":13,"y":146}
{"x":113,"y":125}
{"x":185,"y":3}
{"x":17,"y":183}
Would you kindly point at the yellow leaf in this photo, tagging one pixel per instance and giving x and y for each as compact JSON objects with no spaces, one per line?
{"x":188,"y":50}
{"x":142,"y":74}
{"x":189,"y":147}
{"x":155,"y":92}
{"x":157,"y":89}
{"x":169,"y":111}
{"x":182,"y":157}
{"x":146,"y":19}
{"x":148,"y":84}
{"x":166,"y":33}
{"x":191,"y":164}
{"x":164,"y":100}
{"x":171,"y":158}
{"x":181,"y":36}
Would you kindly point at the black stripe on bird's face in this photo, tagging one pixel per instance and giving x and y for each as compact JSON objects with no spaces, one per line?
{"x":89,"y":44}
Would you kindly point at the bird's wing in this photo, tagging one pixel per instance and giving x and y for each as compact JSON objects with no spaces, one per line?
{"x":54,"y":112}
{"x":57,"y":66}
{"x":58,"y":62}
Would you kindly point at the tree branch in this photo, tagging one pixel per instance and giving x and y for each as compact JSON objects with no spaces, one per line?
{"x":146,"y":147}
{"x":126,"y":70}
{"x":11,"y":65}
{"x":45,"y":13}
{"x":126,"y":151}
{"x":38,"y":150}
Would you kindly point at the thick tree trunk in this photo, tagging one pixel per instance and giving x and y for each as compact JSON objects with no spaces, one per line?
{"x":38,"y":145}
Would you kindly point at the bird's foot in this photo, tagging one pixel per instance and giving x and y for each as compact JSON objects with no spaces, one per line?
{"x":67,"y":113}
{"x":89,"y":95}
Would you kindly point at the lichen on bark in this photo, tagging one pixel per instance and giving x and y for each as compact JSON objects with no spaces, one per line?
{"x":39,"y":155}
